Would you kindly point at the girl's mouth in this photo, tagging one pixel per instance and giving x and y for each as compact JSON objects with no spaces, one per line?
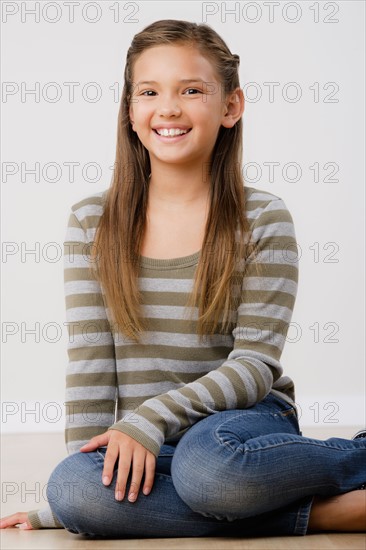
{"x":170,"y":138}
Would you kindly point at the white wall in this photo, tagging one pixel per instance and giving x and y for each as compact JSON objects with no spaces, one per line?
{"x":325,"y":351}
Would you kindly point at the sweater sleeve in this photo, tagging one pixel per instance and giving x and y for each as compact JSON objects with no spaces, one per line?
{"x":44,"y":519}
{"x":91,"y":369}
{"x":91,"y":382}
{"x":253,"y":366}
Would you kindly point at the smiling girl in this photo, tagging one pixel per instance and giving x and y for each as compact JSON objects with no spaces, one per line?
{"x":180,"y":285}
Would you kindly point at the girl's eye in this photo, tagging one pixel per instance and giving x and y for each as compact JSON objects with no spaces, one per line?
{"x":189,"y":89}
{"x":194,"y":89}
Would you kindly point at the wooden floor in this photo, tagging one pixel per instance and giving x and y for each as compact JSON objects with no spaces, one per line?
{"x":30,"y":458}
{"x":49,"y":540}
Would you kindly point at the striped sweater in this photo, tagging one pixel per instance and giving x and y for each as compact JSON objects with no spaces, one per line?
{"x":154,"y":391}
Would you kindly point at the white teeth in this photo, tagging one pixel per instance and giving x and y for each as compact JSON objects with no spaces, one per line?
{"x":171,"y":132}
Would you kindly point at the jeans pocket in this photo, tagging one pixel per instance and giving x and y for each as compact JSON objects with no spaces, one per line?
{"x":286,"y":408}
{"x":290,"y":412}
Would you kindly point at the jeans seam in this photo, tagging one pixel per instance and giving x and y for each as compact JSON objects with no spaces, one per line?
{"x":271,"y":446}
{"x":227,"y":444}
{"x":218,"y":438}
{"x":303,"y":517}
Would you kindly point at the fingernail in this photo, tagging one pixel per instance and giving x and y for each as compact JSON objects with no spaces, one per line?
{"x":119,"y":495}
{"x":23,"y":526}
{"x":105,"y":480}
{"x":146,"y":491}
{"x":132,"y":496}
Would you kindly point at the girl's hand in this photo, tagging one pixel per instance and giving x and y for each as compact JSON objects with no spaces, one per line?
{"x":11,"y":521}
{"x":128,"y":450}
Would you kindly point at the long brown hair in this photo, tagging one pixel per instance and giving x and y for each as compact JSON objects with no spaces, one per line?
{"x":121,"y":227}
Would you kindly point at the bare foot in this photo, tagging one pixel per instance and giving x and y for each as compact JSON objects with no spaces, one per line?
{"x":345,"y":512}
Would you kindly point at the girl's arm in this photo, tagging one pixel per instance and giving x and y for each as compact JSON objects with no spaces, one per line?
{"x":91,"y":382}
{"x":253,"y":366}
{"x":91,"y":371}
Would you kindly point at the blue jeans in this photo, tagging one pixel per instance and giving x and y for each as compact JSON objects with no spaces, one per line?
{"x":244,"y":472}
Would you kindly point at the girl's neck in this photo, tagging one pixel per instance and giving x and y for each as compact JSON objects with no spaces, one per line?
{"x":176,"y":189}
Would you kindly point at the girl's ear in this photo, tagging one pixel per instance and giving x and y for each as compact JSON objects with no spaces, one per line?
{"x":234,"y":108}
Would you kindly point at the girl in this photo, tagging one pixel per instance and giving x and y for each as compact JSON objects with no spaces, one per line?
{"x":180,"y":285}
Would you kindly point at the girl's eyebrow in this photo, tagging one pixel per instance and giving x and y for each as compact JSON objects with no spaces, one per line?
{"x":184,"y":80}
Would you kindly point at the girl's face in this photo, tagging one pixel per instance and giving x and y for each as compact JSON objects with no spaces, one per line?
{"x":176,"y":87}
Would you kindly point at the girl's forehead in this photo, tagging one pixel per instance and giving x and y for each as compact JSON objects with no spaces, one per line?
{"x":169,"y":59}
{"x":173,"y":49}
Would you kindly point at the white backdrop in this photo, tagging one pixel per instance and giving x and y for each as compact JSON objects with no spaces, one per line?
{"x":302,"y":72}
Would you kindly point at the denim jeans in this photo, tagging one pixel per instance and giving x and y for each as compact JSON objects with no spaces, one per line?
{"x":243,"y":472}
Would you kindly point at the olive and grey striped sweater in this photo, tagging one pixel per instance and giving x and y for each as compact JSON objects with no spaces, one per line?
{"x":155,"y":390}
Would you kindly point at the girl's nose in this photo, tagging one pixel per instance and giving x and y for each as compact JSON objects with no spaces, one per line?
{"x":168,"y":107}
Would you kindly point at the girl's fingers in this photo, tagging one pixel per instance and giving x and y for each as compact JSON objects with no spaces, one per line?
{"x":150,"y":464}
{"x":126,"y":450}
{"x":110,"y":458}
{"x":88,"y":446}
{"x":25,"y":525}
{"x":124,"y":467}
{"x":138,"y":468}
{"x":95,"y":442}
{"x":14,"y":519}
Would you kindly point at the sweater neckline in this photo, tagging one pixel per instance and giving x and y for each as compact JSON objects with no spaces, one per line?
{"x":169,"y":263}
